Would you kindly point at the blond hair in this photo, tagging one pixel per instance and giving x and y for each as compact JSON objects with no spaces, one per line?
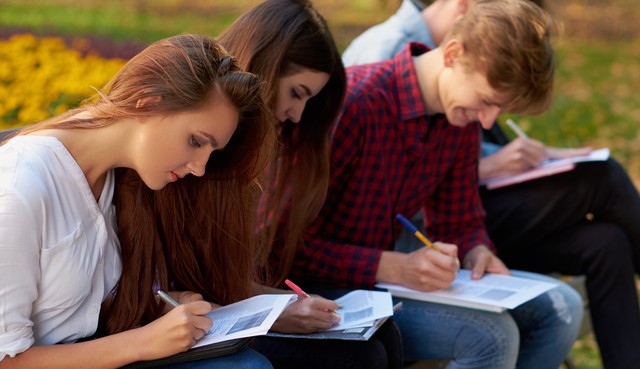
{"x":510,"y":40}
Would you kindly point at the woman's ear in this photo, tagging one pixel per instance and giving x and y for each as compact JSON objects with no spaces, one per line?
{"x":148,"y":101}
{"x":453,"y":50}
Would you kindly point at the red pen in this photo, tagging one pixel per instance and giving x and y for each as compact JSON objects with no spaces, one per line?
{"x":301,"y":294}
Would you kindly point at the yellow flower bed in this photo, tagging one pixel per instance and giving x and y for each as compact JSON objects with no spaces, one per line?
{"x":41,"y":77}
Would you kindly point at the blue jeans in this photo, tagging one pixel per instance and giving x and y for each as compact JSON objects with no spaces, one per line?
{"x":535,"y":335}
{"x":245,"y":359}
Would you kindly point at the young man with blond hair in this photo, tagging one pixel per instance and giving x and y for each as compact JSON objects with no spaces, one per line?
{"x":408,"y":139}
{"x":583,"y":222}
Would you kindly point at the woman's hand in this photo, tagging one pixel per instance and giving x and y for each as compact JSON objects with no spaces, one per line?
{"x":176,"y":331}
{"x":308,"y":315}
{"x":183,"y":297}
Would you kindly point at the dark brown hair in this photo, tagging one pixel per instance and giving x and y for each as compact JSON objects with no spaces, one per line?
{"x":196,"y":234}
{"x":273,"y":40}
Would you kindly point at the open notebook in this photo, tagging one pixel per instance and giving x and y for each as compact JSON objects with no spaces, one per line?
{"x":548,"y":168}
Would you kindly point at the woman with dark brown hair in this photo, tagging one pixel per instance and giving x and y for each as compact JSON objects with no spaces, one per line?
{"x":181,"y":110}
{"x":289,"y":45}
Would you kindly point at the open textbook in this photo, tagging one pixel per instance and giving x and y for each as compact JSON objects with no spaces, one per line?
{"x":362,"y":313}
{"x":548,"y":168}
{"x":233,"y":326}
{"x":493,"y":292}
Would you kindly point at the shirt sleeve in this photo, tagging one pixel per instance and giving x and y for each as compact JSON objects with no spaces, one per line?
{"x":322,"y":257}
{"x":375,"y":45}
{"x":455,"y":213}
{"x":19,"y":273}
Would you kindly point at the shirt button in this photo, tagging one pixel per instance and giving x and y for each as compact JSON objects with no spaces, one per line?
{"x":94,"y":310}
{"x":100,"y":221}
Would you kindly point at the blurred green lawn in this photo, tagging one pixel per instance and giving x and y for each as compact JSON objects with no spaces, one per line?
{"x":598,"y":54}
{"x":598,"y":51}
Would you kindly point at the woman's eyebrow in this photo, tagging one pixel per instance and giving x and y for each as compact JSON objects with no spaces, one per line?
{"x":211,"y":139}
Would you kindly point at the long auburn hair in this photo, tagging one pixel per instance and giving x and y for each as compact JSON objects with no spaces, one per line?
{"x":195,"y":234}
{"x":275,"y":39}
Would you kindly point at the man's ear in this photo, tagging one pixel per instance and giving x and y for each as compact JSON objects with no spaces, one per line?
{"x":463,"y":5}
{"x":453,"y":50}
{"x":148,"y":101}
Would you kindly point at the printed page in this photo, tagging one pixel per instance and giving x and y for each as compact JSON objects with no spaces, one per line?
{"x":251,"y":317}
{"x":361,"y":308}
{"x":493,"y":290}
{"x":351,"y":334}
{"x":360,"y":333}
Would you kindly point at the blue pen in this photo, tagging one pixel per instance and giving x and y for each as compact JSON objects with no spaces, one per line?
{"x":416,"y":233}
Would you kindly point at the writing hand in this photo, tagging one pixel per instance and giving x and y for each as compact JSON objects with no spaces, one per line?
{"x":516,"y":157}
{"x":308,"y":315}
{"x":176,"y":331}
{"x":423,"y":269}
{"x":183,"y":297}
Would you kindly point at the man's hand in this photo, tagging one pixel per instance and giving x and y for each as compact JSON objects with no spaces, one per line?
{"x":560,"y":153}
{"x":423,"y":269}
{"x":481,"y":260}
{"x":516,"y":157}
{"x":520,"y":155}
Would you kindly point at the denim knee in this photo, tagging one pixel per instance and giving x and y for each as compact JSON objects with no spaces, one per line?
{"x":468,"y":338}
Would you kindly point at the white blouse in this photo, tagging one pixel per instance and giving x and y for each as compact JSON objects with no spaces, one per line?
{"x":59,"y":250}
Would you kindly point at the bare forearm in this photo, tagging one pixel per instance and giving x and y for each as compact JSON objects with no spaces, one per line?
{"x":390,"y":266}
{"x":488,"y":168}
{"x":108,"y":352}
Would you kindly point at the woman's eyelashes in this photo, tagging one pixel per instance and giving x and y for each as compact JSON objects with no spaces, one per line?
{"x":295,"y":94}
{"x":193,"y":141}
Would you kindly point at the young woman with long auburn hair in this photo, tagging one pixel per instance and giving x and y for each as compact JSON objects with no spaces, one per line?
{"x":90,"y":213}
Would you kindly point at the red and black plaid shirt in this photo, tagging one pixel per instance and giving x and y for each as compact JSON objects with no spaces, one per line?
{"x":387,"y":157}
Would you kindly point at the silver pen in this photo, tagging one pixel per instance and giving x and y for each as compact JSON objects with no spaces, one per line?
{"x":166,"y":298}
{"x":516,"y":129}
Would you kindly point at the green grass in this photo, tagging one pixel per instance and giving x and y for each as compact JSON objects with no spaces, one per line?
{"x":585,"y":353}
{"x":119,"y":20}
{"x":595,"y":102}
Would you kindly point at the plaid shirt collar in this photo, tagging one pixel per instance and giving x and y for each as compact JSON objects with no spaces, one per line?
{"x":407,"y":81}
